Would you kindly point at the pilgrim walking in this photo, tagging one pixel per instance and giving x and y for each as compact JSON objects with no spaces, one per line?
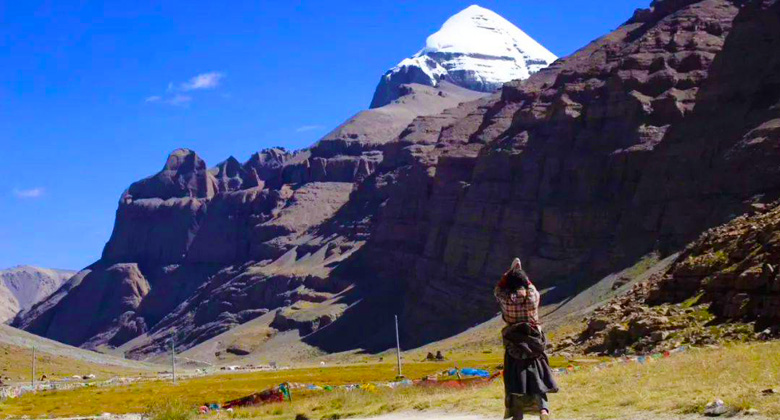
{"x":527,"y":374}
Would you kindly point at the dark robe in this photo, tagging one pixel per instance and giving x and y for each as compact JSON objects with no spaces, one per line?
{"x":526,"y":367}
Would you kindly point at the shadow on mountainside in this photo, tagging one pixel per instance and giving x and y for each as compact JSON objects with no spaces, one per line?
{"x":708,"y":164}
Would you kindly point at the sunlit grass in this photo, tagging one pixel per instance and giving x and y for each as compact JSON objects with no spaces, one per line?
{"x":341,"y":404}
{"x":135,"y":398}
{"x":683,"y":383}
{"x":16,"y":363}
{"x":169,"y":410}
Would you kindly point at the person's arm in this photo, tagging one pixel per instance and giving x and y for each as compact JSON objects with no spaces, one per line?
{"x":502,"y":281}
{"x":534,"y":296}
{"x":500,"y":290}
{"x":500,"y":293}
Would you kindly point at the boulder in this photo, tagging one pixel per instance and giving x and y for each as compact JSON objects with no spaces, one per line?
{"x":643,"y":327}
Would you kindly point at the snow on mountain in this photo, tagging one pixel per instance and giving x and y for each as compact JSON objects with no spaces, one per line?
{"x":476,"y":49}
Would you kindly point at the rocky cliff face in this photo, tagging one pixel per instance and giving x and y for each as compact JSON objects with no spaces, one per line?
{"x":712,"y":165}
{"x":582,"y":168}
{"x":199,"y":251}
{"x":636,"y":143}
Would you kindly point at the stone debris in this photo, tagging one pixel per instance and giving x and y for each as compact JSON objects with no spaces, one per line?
{"x":716,"y":408}
{"x":722,"y":287}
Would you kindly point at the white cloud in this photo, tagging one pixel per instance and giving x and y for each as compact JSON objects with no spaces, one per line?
{"x":203,"y":81}
{"x":31,"y":193}
{"x":305,"y":128}
{"x":179,"y":100}
{"x":174,"y":92}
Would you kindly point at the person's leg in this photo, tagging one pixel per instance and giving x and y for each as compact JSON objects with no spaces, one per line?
{"x":517,"y":405}
{"x":513,"y":402}
{"x":544,"y":407}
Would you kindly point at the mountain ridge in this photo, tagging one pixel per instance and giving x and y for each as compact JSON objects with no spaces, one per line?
{"x":23,"y":286}
{"x":179,"y":232}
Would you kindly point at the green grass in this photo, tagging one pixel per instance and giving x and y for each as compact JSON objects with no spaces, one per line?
{"x":712,"y":261}
{"x":683,"y":383}
{"x":170,"y":410}
{"x":136,"y":398}
{"x":691,"y":302}
{"x":645,"y":263}
{"x":344,"y":404}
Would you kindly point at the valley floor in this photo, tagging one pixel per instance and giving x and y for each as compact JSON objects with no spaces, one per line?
{"x":674,"y":387}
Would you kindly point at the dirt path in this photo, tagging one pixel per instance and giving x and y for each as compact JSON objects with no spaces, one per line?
{"x":103,"y":417}
{"x":429,"y":415}
{"x":441,"y":415}
{"x":438,"y":415}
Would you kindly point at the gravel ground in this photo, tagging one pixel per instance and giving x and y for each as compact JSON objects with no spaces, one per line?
{"x":436,"y":415}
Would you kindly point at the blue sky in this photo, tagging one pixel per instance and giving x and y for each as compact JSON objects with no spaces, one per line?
{"x":93,"y":96}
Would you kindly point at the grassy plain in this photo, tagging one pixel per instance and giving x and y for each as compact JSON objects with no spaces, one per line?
{"x":137,"y":397}
{"x":683,"y":383}
{"x":16,"y":364}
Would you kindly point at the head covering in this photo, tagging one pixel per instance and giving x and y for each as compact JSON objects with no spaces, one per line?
{"x":516,"y":277}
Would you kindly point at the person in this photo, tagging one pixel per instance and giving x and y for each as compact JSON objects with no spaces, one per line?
{"x":527,"y":374}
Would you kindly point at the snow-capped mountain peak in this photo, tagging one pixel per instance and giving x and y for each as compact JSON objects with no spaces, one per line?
{"x":476,"y":30}
{"x":476,"y":49}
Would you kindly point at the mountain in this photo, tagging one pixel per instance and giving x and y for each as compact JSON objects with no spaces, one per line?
{"x":202,"y":250}
{"x":476,"y":49}
{"x":634,"y":145}
{"x":56,"y":360}
{"x":23,"y":286}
